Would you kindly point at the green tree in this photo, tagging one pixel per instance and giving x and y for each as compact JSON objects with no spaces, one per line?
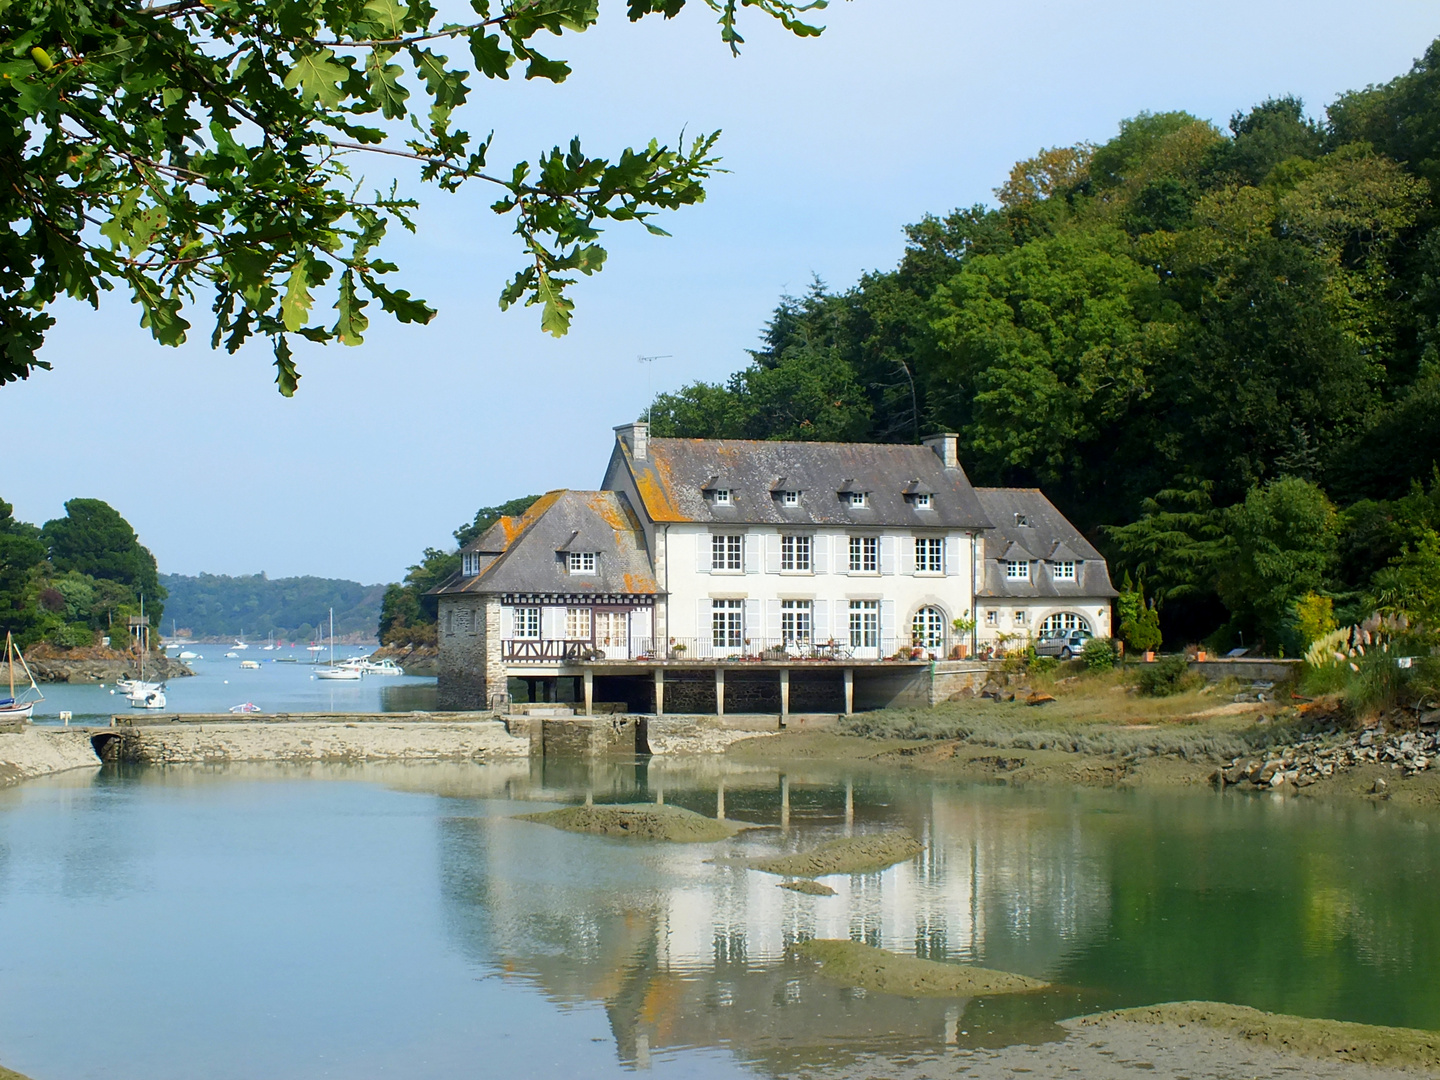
{"x":1280,"y":546}
{"x":489,"y":515}
{"x":93,"y":539}
{"x":22,"y":555}
{"x":210,"y":145}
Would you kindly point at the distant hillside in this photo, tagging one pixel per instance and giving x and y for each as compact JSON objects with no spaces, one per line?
{"x":216,"y":605}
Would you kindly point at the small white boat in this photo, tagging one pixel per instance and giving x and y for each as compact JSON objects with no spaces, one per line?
{"x":147,"y":699}
{"x":12,"y":708}
{"x":249,"y":665}
{"x":191,"y":656}
{"x":383,"y":667}
{"x":137,"y":686}
{"x":346,"y":672}
{"x":232,"y":656}
{"x":247,"y":707}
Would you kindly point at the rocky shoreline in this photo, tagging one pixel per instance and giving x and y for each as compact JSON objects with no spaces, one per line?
{"x":98,"y":665}
{"x":415,"y":659}
{"x":1311,"y":758}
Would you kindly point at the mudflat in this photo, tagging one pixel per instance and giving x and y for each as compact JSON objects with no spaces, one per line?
{"x":847,"y":855}
{"x":637,"y":821}
{"x":851,"y":963}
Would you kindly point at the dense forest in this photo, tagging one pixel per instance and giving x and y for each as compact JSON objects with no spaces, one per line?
{"x":293,"y":609}
{"x":75,"y":578}
{"x":1218,"y":351}
{"x":407,"y":615}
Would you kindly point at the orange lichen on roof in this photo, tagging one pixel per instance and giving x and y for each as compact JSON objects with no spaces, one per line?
{"x":635,"y":584}
{"x":606,"y":509}
{"x":654,"y":485}
{"x":514,"y":527}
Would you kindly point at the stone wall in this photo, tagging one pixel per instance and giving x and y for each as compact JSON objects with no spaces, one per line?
{"x":577,"y":736}
{"x":469,"y":667}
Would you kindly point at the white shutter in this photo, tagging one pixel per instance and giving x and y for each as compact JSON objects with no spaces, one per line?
{"x":750,"y":545}
{"x":754,"y":621}
{"x":887,"y":554}
{"x":952,"y":556}
{"x":820,"y":617}
{"x":820,"y":554}
{"x":907,"y":555}
{"x":507,"y":621}
{"x":772,"y":552}
{"x":551,"y":626}
{"x":702,"y":628}
{"x":772,"y":621}
{"x":702,"y":552}
{"x":888,"y":636}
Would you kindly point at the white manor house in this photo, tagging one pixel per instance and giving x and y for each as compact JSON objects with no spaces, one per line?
{"x":766,"y":576}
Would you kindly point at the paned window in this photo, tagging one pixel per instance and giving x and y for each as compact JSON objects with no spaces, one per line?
{"x":472,"y":563}
{"x":582,"y":562}
{"x":992,"y":618}
{"x":725,"y":552}
{"x":527,"y":622}
{"x":1063,"y":621}
{"x":1064,"y":571}
{"x":922,"y":500}
{"x":1021,"y":520}
{"x":1019,"y":618}
{"x":864,"y":554}
{"x":929,"y":555}
{"x":795,"y":621}
{"x":856,"y":498}
{"x":928,"y":628}
{"x":795,"y":553}
{"x":722,"y":496}
{"x":727,"y":623}
{"x":577,"y":624}
{"x":790,"y":498}
{"x":864,"y":624}
{"x":1017,"y":570}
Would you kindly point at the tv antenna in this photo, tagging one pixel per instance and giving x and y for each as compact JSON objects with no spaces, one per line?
{"x":649,"y":387}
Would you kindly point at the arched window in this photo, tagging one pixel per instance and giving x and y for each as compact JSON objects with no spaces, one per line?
{"x":928,"y":629}
{"x":1063,"y":620}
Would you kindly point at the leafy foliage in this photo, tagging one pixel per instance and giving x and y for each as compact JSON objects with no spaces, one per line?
{"x":93,"y":540}
{"x":202,"y":150}
{"x":1098,"y":655}
{"x":1166,"y":676}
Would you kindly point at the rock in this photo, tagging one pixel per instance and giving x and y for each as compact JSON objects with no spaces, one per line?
{"x":1366,"y":738}
{"x":1379,"y":786}
{"x":1038,"y":699}
{"x":1304,"y":781}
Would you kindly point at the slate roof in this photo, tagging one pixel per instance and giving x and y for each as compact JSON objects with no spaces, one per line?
{"x":525,"y":554}
{"x":1047,"y":538}
{"x":676,"y":473}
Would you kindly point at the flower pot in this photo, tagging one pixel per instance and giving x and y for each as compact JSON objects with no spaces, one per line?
{"x":1149,"y":656}
{"x":1201,"y":656}
{"x":960,"y":652}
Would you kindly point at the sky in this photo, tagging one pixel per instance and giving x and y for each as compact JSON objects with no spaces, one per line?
{"x":833,"y":145}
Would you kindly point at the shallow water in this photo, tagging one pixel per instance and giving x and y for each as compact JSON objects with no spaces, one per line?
{"x":395,"y":921}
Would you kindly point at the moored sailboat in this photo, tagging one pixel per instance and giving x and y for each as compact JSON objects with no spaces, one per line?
{"x":12,"y":708}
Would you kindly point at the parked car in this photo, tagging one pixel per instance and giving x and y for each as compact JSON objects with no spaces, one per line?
{"x":1063,"y":643}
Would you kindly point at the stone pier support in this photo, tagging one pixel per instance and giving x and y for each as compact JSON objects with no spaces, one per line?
{"x":784,"y":693}
{"x":719,"y":691}
{"x":659,"y":691}
{"x":589,"y":680}
{"x":849,"y":691}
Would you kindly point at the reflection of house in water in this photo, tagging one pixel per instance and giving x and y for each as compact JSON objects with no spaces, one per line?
{"x":685,"y":952}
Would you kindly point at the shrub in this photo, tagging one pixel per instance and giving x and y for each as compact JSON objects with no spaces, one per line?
{"x":1041,"y":664}
{"x":1168,"y":675}
{"x":1098,"y":655}
{"x":1379,"y":684}
{"x":81,"y":635}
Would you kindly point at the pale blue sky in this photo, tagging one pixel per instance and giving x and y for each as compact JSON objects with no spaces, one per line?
{"x":901,"y":107}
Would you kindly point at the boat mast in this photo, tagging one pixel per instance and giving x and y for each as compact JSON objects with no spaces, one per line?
{"x":10,"y":656}
{"x":332,"y":637}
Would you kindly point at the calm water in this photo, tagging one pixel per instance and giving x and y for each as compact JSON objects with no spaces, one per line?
{"x":395,"y":921}
{"x":219,"y":683}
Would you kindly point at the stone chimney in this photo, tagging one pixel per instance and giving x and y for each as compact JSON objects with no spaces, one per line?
{"x":946,"y":446}
{"x":636,"y":437}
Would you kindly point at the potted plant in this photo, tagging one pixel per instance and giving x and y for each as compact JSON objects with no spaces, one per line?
{"x":962,"y":627}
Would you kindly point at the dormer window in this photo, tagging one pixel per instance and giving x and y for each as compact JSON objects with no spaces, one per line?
{"x":582,"y":562}
{"x":722,"y":496}
{"x":1017,"y":570}
{"x":856,"y":499}
{"x":922,"y":500}
{"x":1021,"y":520}
{"x":1064,"y":571}
{"x":470,"y":563}
{"x":789,"y":498}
